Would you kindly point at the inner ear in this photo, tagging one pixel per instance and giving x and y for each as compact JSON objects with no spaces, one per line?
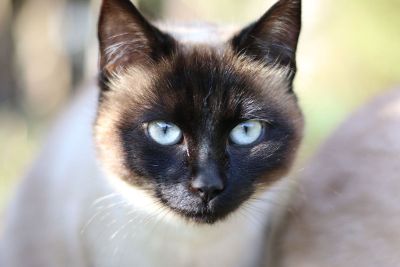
{"x":127,"y":38}
{"x":273,"y":38}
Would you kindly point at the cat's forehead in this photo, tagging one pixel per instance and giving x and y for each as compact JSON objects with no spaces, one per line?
{"x":202,"y":72}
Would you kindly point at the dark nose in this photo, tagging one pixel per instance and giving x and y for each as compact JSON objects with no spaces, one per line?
{"x":207,"y":186}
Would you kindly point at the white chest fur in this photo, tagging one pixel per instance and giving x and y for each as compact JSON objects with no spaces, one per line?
{"x":133,"y":232}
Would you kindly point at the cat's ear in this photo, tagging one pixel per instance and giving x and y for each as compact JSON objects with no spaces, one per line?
{"x":273,"y":38}
{"x":127,"y":38}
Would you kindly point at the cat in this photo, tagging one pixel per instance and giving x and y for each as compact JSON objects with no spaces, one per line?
{"x":178,"y":158}
{"x":346,"y":212}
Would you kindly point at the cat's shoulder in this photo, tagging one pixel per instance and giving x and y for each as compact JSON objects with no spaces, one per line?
{"x":347,"y":211}
{"x":43,"y":216}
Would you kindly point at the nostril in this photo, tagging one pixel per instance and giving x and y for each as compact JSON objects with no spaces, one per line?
{"x":213,"y":192}
{"x":201,"y":193}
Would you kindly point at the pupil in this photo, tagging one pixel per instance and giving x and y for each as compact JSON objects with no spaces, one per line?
{"x":246,"y":129}
{"x":165,"y":129}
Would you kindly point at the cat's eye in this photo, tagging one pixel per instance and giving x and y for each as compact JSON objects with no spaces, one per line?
{"x":164,"y":133}
{"x":246,"y":132}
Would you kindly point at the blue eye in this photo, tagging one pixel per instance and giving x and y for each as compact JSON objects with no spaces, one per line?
{"x":246,"y":132}
{"x":164,"y":133}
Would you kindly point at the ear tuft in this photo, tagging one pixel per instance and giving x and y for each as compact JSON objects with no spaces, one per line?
{"x":273,"y":38}
{"x":127,"y":38}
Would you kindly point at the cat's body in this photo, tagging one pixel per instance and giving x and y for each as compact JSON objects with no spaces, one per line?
{"x":75,"y":210}
{"x":346,"y":212}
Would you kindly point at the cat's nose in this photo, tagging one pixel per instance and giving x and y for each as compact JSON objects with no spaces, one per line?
{"x":207,"y":186}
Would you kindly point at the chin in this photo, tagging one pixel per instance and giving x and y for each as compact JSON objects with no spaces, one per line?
{"x":201,"y":216}
{"x":198,"y":212}
{"x":207,"y":218}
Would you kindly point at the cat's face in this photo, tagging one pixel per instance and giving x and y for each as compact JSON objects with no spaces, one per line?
{"x":199,"y":129}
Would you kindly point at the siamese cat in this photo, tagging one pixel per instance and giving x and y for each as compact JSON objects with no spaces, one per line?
{"x":347,"y":211}
{"x":178,"y":158}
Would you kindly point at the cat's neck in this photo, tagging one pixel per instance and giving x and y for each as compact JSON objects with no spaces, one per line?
{"x":123,"y":226}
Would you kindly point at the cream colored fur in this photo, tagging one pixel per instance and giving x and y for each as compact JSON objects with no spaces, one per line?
{"x":347,"y":212}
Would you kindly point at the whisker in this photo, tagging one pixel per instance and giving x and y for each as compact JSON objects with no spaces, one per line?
{"x":106,"y":197}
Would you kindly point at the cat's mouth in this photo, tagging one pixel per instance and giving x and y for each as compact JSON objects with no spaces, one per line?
{"x":202,"y":215}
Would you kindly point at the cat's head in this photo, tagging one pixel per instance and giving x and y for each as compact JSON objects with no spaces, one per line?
{"x":198,"y":128}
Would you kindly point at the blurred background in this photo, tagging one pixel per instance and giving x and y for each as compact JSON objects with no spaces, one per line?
{"x":348,"y":53}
